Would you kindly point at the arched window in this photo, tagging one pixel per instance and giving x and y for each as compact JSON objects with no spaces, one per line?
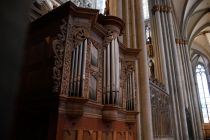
{"x":146,"y":9}
{"x":203,"y":89}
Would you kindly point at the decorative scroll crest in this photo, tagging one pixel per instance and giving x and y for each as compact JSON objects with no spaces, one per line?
{"x":76,"y":34}
{"x":58,"y":49}
{"x":130,"y":66}
{"x":109,"y":37}
{"x":80,"y":33}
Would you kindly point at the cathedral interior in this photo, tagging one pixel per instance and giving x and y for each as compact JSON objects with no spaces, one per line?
{"x":105,"y":70}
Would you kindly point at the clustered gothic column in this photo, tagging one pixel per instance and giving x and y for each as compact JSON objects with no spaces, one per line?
{"x":160,"y":43}
{"x":190,"y":98}
{"x":162,"y":28}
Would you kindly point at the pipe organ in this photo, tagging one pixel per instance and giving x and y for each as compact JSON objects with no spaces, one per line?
{"x":80,"y":77}
{"x":111,"y":72}
{"x":78,"y":66}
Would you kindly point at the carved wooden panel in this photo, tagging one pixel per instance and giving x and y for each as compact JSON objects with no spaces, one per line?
{"x":70,"y":134}
{"x":89,"y":135}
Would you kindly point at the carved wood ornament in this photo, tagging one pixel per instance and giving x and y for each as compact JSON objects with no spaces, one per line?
{"x":62,"y":48}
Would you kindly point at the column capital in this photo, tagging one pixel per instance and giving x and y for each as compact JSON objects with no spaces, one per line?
{"x":156,"y":8}
{"x":161,"y":8}
{"x":181,"y":41}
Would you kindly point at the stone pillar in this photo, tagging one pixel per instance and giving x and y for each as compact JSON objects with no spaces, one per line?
{"x":159,"y":24}
{"x":194,"y":96}
{"x":170,"y":71}
{"x":178,"y":80}
{"x":133,"y":23}
{"x":188,"y":94}
{"x":145,"y":101}
{"x":127,"y":22}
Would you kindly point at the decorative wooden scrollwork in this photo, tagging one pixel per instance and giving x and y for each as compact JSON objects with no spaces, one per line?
{"x":80,"y":33}
{"x":109,"y":37}
{"x":58,"y":49}
{"x":75,"y":35}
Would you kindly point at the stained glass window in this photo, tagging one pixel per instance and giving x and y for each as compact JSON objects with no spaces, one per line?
{"x":203,"y":89}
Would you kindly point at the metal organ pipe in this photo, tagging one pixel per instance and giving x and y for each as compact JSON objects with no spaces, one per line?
{"x":105,"y":76}
{"x":78,"y":67}
{"x":133,"y":81}
{"x":79,"y":73}
{"x":84,"y":54}
{"x":130,"y":89}
{"x":108,"y":74}
{"x":117,"y":70}
{"x":111,"y":73}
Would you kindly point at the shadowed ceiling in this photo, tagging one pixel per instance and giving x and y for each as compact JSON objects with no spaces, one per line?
{"x":193,"y":18}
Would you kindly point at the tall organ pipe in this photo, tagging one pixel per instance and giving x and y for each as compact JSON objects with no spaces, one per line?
{"x":105,"y":76}
{"x":111,"y":81}
{"x":79,"y":69}
{"x":117,"y":70}
{"x":133,"y":79}
{"x":82,"y":78}
{"x":113,"y":71}
{"x":108,"y":74}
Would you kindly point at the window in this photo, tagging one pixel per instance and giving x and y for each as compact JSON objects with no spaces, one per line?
{"x":146,"y":9}
{"x":100,"y":4}
{"x":203,"y":89}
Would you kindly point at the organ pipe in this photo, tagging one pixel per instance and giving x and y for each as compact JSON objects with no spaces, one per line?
{"x":78,"y":67}
{"x":108,"y":73}
{"x":104,"y":76}
{"x":111,"y":73}
{"x":130,"y":91}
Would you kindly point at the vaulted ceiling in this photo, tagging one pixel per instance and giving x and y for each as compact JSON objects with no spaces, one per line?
{"x":193,"y":18}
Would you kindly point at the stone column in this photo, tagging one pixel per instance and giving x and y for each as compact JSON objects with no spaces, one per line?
{"x":120,"y":15}
{"x":194,"y":96}
{"x":146,"y":115}
{"x":133,"y":23}
{"x":178,"y":80}
{"x":127,"y":22}
{"x":170,"y":70}
{"x":187,"y":87}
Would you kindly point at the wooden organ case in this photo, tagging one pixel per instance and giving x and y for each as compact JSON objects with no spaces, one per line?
{"x":87,"y":69}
